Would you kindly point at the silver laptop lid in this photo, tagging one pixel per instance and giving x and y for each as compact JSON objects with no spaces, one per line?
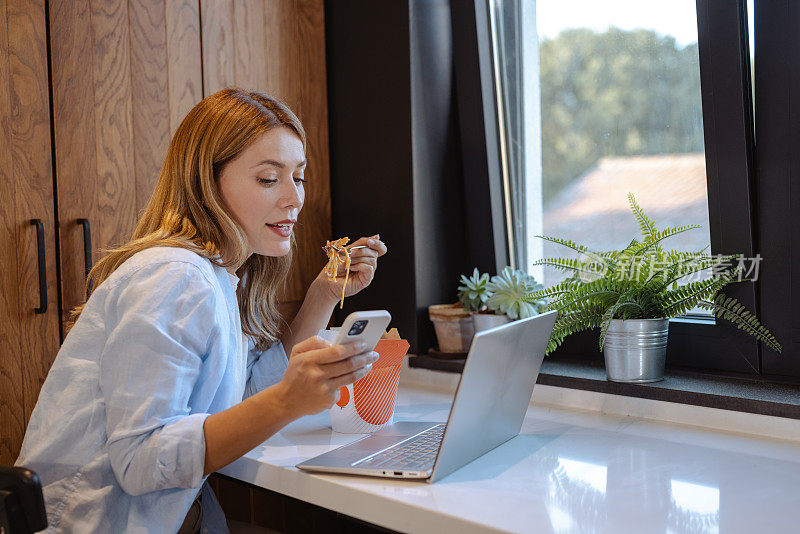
{"x":494,"y":391}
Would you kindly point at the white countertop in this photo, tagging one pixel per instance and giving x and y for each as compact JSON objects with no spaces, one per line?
{"x":567,"y":471}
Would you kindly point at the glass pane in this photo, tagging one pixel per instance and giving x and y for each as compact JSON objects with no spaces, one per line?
{"x":620,"y":112}
{"x":515,"y":54}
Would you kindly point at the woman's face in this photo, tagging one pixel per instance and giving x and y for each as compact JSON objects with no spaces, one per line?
{"x":262,"y":189}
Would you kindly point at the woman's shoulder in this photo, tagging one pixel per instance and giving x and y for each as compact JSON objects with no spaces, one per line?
{"x":164,"y":262}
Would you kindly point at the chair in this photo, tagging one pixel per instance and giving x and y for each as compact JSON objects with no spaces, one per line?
{"x":21,"y":501}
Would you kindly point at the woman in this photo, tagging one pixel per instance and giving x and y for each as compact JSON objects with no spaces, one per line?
{"x":175,"y":365}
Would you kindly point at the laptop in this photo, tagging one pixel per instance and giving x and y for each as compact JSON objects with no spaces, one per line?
{"x":493,"y":394}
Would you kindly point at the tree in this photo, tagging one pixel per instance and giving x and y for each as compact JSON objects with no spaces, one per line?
{"x":613,"y":94}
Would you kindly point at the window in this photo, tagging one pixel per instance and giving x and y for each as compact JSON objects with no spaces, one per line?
{"x":620,"y":112}
{"x":595,"y":100}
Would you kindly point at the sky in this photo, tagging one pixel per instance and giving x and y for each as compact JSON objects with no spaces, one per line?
{"x":667,"y":17}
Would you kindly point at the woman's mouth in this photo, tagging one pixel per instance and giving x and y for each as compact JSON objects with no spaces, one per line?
{"x":283,"y":229}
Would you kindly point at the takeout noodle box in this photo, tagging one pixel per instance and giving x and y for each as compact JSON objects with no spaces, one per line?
{"x":368,"y":404}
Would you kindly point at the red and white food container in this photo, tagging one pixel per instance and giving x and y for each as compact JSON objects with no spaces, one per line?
{"x":368,"y":404}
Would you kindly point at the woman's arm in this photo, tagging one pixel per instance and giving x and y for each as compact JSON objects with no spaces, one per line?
{"x":312,"y":317}
{"x":315,"y":371}
{"x":231,"y":433}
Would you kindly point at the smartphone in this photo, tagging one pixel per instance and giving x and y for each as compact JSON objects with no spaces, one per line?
{"x":366,"y":326}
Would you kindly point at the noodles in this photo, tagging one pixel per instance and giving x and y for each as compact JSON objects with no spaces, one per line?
{"x":335,"y":250}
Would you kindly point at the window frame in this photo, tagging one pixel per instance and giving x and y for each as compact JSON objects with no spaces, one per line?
{"x":479,"y":128}
{"x":777,"y":81}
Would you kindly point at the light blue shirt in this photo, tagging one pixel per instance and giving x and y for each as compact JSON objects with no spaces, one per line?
{"x":117,"y":433}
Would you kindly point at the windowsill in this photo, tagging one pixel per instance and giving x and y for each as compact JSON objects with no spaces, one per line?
{"x":683,"y":387}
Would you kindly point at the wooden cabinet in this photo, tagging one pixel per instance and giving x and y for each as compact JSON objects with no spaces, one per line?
{"x":276,"y":512}
{"x":121,"y":75}
{"x":29,"y":313}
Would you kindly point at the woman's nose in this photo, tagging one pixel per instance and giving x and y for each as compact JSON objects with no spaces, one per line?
{"x":292,"y":195}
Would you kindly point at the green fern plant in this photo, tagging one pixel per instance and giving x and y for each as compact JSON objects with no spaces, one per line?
{"x":641,"y":281}
{"x":473,"y":293}
{"x":509,"y":294}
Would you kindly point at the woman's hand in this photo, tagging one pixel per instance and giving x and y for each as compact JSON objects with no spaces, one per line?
{"x":317,"y":370}
{"x":363,"y":264}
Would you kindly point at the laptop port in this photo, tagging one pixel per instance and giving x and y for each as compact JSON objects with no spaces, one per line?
{"x":398,"y":473}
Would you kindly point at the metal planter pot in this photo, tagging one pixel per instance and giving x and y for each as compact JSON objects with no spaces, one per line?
{"x":485,"y":321}
{"x":636,"y":350}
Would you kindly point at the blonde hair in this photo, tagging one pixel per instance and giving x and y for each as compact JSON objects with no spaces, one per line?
{"x":186,"y":210}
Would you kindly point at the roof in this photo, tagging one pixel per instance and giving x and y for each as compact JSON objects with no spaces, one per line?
{"x":593,"y":210}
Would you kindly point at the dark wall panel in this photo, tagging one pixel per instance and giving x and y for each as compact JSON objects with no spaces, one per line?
{"x":439,"y":215}
{"x":369,"y":105}
{"x":395,"y":154}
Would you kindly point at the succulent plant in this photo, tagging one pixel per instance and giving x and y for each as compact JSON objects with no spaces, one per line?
{"x":472,"y":293}
{"x":510,"y":291}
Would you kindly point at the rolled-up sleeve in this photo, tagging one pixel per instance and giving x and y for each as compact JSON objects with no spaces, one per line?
{"x":160,"y":323}
{"x":264,"y":368}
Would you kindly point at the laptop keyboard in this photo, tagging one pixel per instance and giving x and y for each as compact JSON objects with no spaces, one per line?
{"x":416,"y":453}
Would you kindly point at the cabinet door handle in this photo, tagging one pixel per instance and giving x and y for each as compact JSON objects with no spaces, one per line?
{"x":42,"y":266}
{"x":87,"y":251}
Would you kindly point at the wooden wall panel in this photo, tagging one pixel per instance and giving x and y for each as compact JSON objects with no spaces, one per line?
{"x":114,"y":215}
{"x":12,"y":407}
{"x":296,"y":74}
{"x":218,"y":46}
{"x":147,"y":19}
{"x":234,"y":45}
{"x":184,"y":61}
{"x":250,"y":37}
{"x":28,"y":122}
{"x":277,"y":20}
{"x":307,"y":52}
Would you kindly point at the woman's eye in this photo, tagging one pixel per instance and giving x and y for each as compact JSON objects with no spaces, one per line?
{"x":270,"y":181}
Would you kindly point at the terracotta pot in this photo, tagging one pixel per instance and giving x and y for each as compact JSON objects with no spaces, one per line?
{"x":453,"y":325}
{"x":485,"y":321}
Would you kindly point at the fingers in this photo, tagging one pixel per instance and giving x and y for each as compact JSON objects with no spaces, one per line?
{"x":312,"y":343}
{"x":354,"y":363}
{"x":374,"y":246}
{"x":365,"y":268}
{"x":370,"y":257}
{"x":363,"y":253}
{"x":378,"y":246}
{"x":357,"y":265}
{"x":336,"y":353}
{"x":349,"y":378}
